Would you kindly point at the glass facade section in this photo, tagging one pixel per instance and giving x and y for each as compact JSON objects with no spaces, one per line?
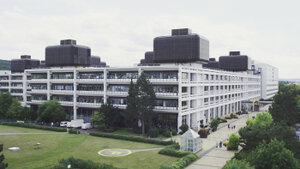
{"x":62,"y":87}
{"x":39,"y":76}
{"x":90,"y":75}
{"x":38,"y":97}
{"x":122,"y":75}
{"x":90,"y":87}
{"x":118,"y":88}
{"x":162,"y":75}
{"x":64,"y":98}
{"x":62,"y":76}
{"x":165,"y":89}
{"x":90,"y":99}
{"x":39,"y":86}
{"x":117,"y":100}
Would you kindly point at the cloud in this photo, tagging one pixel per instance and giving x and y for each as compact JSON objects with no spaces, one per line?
{"x":121,"y":35}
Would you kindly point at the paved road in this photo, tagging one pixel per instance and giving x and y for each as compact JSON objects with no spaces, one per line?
{"x":212,"y":157}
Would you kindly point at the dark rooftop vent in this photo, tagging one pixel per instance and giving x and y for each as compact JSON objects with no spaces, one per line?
{"x":234,"y":53}
{"x":212,"y":59}
{"x":68,"y":42}
{"x":183,"y":31}
{"x":25,"y":57}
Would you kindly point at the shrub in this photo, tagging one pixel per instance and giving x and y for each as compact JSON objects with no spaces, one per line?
{"x":174,"y":132}
{"x":181,"y":163}
{"x":234,"y":141}
{"x":250,"y":122}
{"x":203,"y":133}
{"x":174,"y":146}
{"x":184,"y":128}
{"x":227,"y":117}
{"x":223,"y":120}
{"x":132,"y":138}
{"x":173,"y":152}
{"x":74,"y":131}
{"x":166,"y":133}
{"x":34,"y":126}
{"x":215,"y":123}
{"x":237,"y":164}
{"x":82,"y":164}
{"x":153,"y":132}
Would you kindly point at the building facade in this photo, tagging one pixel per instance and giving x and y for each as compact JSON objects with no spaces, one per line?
{"x":184,"y":94}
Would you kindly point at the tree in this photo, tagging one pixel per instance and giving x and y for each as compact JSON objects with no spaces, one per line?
{"x":251,"y":136}
{"x":237,"y":164}
{"x":98,"y":119}
{"x":15,"y":110}
{"x":273,"y":155}
{"x":215,"y":123}
{"x":285,"y":105}
{"x":5,"y":102}
{"x":131,"y":113}
{"x":28,"y":114}
{"x":234,"y":141}
{"x":263,"y":119}
{"x":146,"y":101}
{"x":108,"y":116}
{"x":51,"y":111}
{"x":2,"y":164}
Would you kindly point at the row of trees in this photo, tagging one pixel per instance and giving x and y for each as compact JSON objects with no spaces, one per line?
{"x":139,"y":112}
{"x":270,"y":140}
{"x":49,"y":111}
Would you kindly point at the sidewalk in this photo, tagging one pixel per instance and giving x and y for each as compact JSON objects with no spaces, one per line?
{"x":212,"y":157}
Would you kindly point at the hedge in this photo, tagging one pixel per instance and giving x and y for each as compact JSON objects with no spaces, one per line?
{"x":74,"y":131}
{"x":34,"y":126}
{"x":132,"y":138}
{"x":173,"y":152}
{"x":181,"y":163}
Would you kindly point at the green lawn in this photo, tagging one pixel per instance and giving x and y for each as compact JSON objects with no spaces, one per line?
{"x":58,"y":146}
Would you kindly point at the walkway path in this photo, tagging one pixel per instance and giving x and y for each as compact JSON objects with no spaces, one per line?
{"x":8,"y":134}
{"x":212,"y":157}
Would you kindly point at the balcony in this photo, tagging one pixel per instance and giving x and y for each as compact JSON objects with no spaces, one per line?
{"x":37,"y":101}
{"x":60,"y":92}
{"x":121,"y":106}
{"x":37,"y":91}
{"x":117,"y":93}
{"x":89,"y":105}
{"x":93,"y":93}
{"x":38,"y":81}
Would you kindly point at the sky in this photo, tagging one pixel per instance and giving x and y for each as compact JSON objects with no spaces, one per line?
{"x":120,"y":31}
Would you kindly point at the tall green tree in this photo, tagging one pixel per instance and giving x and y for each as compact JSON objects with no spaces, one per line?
{"x":251,"y":136}
{"x":263,"y":119}
{"x":2,"y":164}
{"x":28,"y":114}
{"x":146,"y":101}
{"x":108,"y":116}
{"x":237,"y":164}
{"x":15,"y":110}
{"x":285,"y":105}
{"x":131,"y":113}
{"x":51,"y":111}
{"x":273,"y":155}
{"x":5,"y":102}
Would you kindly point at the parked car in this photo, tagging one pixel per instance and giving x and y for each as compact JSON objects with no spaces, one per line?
{"x":19,"y":121}
{"x":68,"y":124}
{"x":63,"y":124}
{"x":86,"y":126}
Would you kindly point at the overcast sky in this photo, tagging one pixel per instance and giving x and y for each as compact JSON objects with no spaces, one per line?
{"x":121,"y":31}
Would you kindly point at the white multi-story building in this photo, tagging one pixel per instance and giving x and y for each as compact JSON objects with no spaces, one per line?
{"x":269,"y":82}
{"x":184,"y":94}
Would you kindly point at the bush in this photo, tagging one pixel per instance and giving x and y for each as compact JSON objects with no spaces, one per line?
{"x":203,"y":133}
{"x":215,"y":123}
{"x":74,"y":131}
{"x":228,"y":117}
{"x":237,"y":164}
{"x":153,"y":132}
{"x":174,"y":132}
{"x":166,"y":133}
{"x":172,"y":150}
{"x":181,"y":163}
{"x":34,"y":126}
{"x":183,"y":128}
{"x":174,"y":146}
{"x":223,"y":121}
{"x":234,"y":141}
{"x":82,"y":164}
{"x":132,"y":138}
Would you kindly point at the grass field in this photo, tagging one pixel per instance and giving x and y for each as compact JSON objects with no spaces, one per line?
{"x":55,"y":146}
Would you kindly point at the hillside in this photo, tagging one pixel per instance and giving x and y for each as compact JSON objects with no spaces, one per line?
{"x":4,"y":65}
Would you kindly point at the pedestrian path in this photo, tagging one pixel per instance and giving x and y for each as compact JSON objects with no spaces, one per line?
{"x":8,"y":134}
{"x":212,"y":157}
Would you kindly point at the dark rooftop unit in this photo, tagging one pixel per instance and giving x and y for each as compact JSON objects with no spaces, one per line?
{"x":235,"y":62}
{"x":95,"y":61}
{"x":212,"y":63}
{"x":19,"y":65}
{"x":181,"y":47}
{"x":67,"y":54}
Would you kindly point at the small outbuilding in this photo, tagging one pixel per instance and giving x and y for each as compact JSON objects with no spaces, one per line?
{"x":190,"y":141}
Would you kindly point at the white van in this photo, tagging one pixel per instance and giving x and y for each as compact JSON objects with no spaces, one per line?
{"x":86,"y":126}
{"x":77,"y":123}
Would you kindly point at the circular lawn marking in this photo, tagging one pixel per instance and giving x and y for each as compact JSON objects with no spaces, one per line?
{"x":114,"y":152}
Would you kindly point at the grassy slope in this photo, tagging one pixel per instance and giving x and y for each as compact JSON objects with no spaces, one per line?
{"x":58,"y":146}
